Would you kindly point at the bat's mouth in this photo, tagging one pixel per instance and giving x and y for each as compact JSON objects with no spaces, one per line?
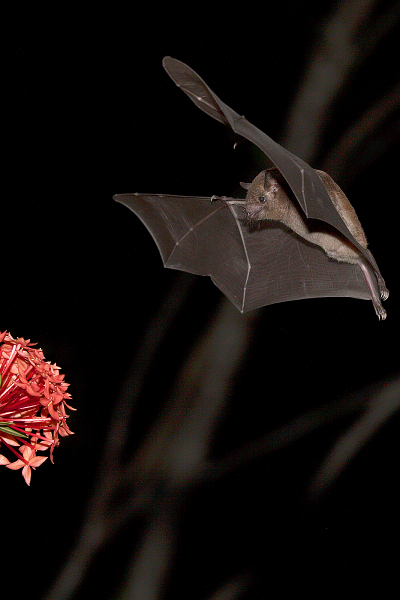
{"x":252,"y":212}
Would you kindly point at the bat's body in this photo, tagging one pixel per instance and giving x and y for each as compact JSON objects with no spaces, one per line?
{"x":270,"y":199}
{"x":308,"y":241}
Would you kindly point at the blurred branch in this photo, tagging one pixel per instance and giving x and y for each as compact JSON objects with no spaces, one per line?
{"x":281,"y":437}
{"x":338,"y":52}
{"x":381,"y":407}
{"x":201,"y":389}
{"x":149,"y":569}
{"x":337,"y":161}
{"x":179,"y":442}
{"x":231,"y":590}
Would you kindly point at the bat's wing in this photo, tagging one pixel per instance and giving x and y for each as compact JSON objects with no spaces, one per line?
{"x":210,"y":238}
{"x":303,"y":179}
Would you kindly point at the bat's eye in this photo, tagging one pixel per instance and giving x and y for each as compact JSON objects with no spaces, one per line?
{"x":261,"y":198}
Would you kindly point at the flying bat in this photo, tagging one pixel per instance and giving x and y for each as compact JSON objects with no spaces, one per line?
{"x":294,"y":236}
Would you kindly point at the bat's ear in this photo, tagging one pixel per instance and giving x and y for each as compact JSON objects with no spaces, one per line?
{"x":245,"y":186}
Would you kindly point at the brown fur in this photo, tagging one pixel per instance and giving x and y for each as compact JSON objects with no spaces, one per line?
{"x":280,"y":205}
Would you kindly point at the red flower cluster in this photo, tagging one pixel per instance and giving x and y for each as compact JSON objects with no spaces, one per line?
{"x":33,"y":397}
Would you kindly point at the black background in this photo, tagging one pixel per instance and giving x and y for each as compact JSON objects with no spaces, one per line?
{"x":89,"y":112}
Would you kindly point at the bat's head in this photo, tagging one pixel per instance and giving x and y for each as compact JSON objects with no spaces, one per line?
{"x":267,"y":197}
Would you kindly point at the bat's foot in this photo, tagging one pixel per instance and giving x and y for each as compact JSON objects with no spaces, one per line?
{"x":380,"y":311}
{"x":384,"y":293}
{"x":377,"y":288}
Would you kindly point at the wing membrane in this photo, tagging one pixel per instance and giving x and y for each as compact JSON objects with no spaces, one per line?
{"x":253,"y":268}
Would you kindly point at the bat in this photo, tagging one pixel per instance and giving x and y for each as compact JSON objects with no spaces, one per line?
{"x":294,"y":236}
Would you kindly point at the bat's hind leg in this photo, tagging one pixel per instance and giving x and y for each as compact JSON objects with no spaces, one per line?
{"x":381,"y":282}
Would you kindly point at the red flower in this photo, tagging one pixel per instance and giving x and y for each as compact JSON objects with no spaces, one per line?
{"x":33,"y":397}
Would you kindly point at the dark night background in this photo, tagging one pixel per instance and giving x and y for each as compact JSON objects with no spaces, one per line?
{"x":89,"y":112}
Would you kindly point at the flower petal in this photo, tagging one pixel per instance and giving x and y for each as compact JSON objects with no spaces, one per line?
{"x":37,"y":461}
{"x":26,"y":474}
{"x":17,"y":464}
{"x":4,"y":460}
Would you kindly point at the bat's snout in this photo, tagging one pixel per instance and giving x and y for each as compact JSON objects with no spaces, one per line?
{"x":252,"y":211}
